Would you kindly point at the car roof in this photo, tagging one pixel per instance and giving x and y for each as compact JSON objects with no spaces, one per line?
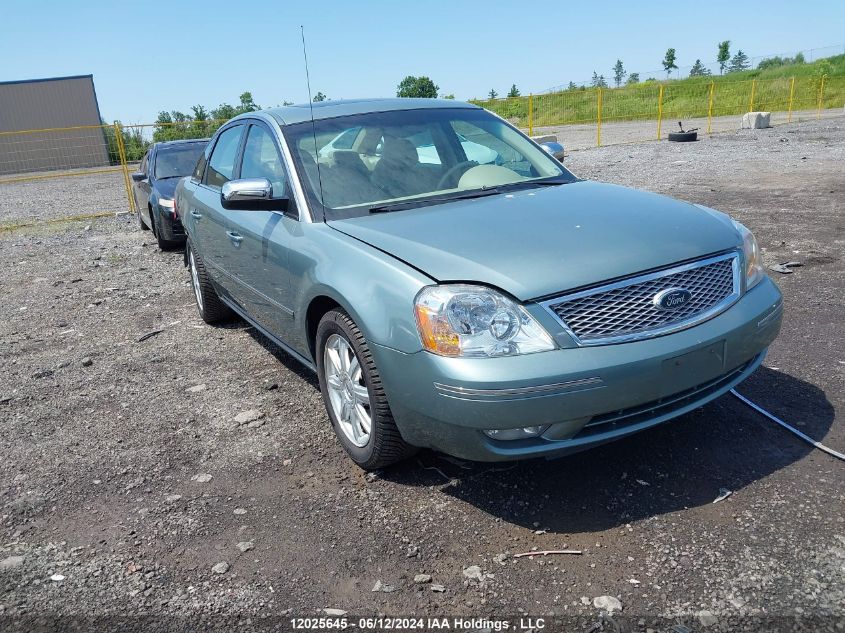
{"x":184,"y":141}
{"x":288,"y":115}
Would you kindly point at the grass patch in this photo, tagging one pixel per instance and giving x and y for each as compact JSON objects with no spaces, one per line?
{"x":767,"y":90}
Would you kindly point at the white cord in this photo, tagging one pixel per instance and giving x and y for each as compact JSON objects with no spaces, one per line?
{"x":791,"y":429}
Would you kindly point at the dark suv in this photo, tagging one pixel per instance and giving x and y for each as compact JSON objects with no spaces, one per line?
{"x":153,"y":186}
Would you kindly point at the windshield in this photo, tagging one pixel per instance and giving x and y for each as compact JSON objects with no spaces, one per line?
{"x":407,"y":158}
{"x":177,"y":161}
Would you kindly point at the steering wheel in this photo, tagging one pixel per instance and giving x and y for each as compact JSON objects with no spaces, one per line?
{"x":453,"y":170}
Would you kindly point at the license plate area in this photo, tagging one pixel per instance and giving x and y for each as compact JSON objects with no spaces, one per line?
{"x":693,"y":368}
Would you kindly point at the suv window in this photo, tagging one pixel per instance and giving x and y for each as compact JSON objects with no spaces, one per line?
{"x":262,"y":160}
{"x":221,"y":164}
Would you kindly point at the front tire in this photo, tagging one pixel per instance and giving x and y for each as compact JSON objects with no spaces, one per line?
{"x":212,"y":310}
{"x":353,"y":395}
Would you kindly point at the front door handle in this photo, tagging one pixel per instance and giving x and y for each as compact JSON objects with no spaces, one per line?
{"x":235,"y":237}
{"x":196,"y":214}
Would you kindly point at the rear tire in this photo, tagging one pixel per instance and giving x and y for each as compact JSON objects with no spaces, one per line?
{"x":212,"y":310}
{"x":383,"y":444}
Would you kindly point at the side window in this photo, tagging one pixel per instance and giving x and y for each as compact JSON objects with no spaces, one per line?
{"x":200,"y":168}
{"x":262,"y":160}
{"x":485,"y":148}
{"x":221,"y":164}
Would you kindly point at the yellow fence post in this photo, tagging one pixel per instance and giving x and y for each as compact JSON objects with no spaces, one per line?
{"x":598,"y":120}
{"x":791,"y":96}
{"x":821,"y":97}
{"x":530,"y":115}
{"x":710,"y":108}
{"x":753,"y":90}
{"x":118,"y":135}
{"x":659,"y":111}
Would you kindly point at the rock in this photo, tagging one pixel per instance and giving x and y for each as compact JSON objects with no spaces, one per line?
{"x":706,"y":617}
{"x":195,"y":389}
{"x":607,"y":603}
{"x":372,"y":476}
{"x":586,"y":601}
{"x":220,"y":568}
{"x":335,"y":612}
{"x":245,"y":417}
{"x":173,"y":498}
{"x":239,"y":511}
{"x":384,"y":588}
{"x":474,"y":573}
{"x":87,"y":362}
{"x":412,"y":552}
{"x":57,"y":578}
{"x":11,"y":563}
{"x":422,"y":579}
{"x":438,"y":588}
{"x":501,"y":558}
{"x":287,"y":462}
{"x":756,"y":120}
{"x":44,"y":373}
{"x":245,"y":546}
{"x":201,"y":478}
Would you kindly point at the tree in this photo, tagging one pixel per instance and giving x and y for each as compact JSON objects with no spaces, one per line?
{"x":669,"y":62}
{"x":633,"y":78}
{"x":247,"y":104}
{"x":420,"y":87}
{"x":319,"y":97}
{"x":449,"y":96}
{"x":492,"y":94}
{"x":571,"y":86}
{"x":698,"y":69}
{"x":618,"y":72}
{"x":724,"y":55}
{"x":739,"y":62}
{"x":514,"y":91}
{"x":598,"y":81}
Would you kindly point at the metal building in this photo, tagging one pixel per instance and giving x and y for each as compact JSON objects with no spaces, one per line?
{"x":44,"y":105}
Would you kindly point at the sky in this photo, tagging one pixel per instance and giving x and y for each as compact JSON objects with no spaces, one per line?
{"x":151,"y":56}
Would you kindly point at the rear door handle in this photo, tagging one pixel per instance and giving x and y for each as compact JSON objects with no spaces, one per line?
{"x":236,"y":238}
{"x":196,"y":214}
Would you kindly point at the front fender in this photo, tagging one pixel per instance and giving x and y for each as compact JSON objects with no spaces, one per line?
{"x":376,"y":289}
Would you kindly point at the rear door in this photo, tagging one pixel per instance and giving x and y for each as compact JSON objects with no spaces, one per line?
{"x":260,"y":241}
{"x":208,"y":223}
{"x":142,"y":188}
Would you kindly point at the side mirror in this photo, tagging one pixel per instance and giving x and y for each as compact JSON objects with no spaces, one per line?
{"x":251,"y":194}
{"x":554,"y":148}
{"x":139,"y":176}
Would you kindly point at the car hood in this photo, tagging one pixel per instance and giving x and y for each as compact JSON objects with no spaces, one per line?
{"x":544,"y":241}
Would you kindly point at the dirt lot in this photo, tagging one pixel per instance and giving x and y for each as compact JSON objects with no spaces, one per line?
{"x":124,"y":480}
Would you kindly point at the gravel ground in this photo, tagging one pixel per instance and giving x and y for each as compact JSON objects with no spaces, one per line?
{"x":128,"y":490}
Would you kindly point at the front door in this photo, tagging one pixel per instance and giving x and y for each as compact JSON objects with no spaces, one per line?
{"x":261,"y":240}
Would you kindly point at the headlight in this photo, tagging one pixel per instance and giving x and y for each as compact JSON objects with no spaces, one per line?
{"x":167,"y":203}
{"x":751,"y":256}
{"x":474,"y":321}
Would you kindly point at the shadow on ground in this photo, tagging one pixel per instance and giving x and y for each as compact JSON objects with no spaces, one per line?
{"x":681,"y":464}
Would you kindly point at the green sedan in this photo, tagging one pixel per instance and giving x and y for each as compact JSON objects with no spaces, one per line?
{"x":485,"y":303}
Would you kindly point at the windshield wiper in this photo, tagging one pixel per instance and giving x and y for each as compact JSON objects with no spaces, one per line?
{"x":467,"y":195}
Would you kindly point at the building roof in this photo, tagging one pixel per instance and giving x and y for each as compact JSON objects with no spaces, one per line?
{"x":32,"y":81}
{"x":300,"y":113}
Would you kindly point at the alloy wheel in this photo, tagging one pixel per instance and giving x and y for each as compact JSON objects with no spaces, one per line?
{"x":347,"y":391}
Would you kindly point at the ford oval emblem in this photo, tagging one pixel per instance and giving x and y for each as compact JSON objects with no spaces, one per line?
{"x":671,"y":298}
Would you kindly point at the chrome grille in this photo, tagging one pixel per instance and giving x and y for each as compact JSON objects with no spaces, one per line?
{"x":625,"y":310}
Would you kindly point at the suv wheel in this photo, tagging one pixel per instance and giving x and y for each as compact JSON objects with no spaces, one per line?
{"x":211,"y":308}
{"x":353,"y":394}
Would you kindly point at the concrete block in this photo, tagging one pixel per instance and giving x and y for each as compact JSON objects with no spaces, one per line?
{"x":756,"y":120}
